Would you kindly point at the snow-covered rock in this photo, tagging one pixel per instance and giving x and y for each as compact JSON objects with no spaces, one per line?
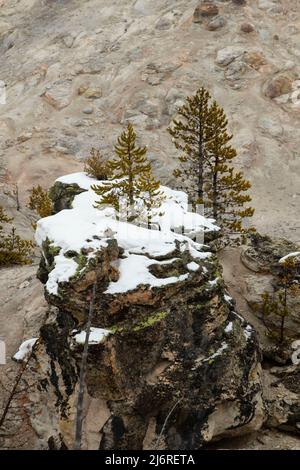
{"x":86,"y":228}
{"x":163,"y":332}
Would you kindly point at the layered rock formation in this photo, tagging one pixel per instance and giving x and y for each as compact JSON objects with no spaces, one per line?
{"x":171,"y":364}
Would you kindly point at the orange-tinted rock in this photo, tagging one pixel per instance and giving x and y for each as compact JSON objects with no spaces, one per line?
{"x":278,"y":85}
{"x":255,"y":60}
{"x":204,"y":10}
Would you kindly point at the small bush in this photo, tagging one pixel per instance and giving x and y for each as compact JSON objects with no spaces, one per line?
{"x":40,"y":201}
{"x":95,"y":166}
{"x":4,"y":217}
{"x":13,"y":249}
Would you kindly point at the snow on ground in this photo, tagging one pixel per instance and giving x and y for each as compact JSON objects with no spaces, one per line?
{"x":214,"y":282}
{"x":290,"y":255}
{"x":228,"y":327}
{"x":248,"y":332}
{"x":97,"y":336}
{"x":85,"y":226}
{"x":82,"y":179}
{"x":25,"y":349}
{"x":192,"y":266}
{"x":219,"y":352}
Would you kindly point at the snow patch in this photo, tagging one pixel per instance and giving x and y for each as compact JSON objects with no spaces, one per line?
{"x":82,"y":179}
{"x":219,"y":352}
{"x":228,"y":327}
{"x":214,"y":282}
{"x":97,"y":336}
{"x":25,"y":349}
{"x":192,"y":266}
{"x":290,"y":255}
{"x":248,"y":332}
{"x":64,"y":269}
{"x":134,"y":272}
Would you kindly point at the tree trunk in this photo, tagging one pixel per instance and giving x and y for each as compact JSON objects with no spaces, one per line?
{"x":83,"y":368}
{"x":200,"y":162}
{"x":215,"y":190}
{"x":282,"y":329}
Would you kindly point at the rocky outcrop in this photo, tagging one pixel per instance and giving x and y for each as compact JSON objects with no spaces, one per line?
{"x":62,"y":195}
{"x":181,"y":346}
{"x":262,"y":258}
{"x":282,"y":392}
{"x":174,"y":365}
{"x":263,"y":253}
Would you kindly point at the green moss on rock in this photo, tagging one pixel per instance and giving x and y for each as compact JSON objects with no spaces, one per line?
{"x":150,"y":321}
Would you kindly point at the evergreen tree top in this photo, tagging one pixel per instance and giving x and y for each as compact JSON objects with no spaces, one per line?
{"x":130,"y":156}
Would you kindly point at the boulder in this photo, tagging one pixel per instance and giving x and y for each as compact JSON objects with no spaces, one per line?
{"x":263,"y":253}
{"x":228,"y":54}
{"x":205,"y":10}
{"x":59,"y":94}
{"x":278,"y":85}
{"x":282,"y":398}
{"x":270,"y":126}
{"x":216,"y":23}
{"x":247,"y":28}
{"x":254,"y":59}
{"x":62,"y":195}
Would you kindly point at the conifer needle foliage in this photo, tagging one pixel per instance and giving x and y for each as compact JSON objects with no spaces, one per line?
{"x":278,"y":304}
{"x":130,"y":180}
{"x":40,"y":201}
{"x":206,"y":162}
{"x":95,"y":165}
{"x":13,"y":249}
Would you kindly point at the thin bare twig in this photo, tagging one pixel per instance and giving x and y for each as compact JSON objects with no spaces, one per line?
{"x":165,"y":422}
{"x":83,"y":368}
{"x":14,"y":389}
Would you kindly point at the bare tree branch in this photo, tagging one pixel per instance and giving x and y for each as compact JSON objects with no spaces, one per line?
{"x":83,"y":368}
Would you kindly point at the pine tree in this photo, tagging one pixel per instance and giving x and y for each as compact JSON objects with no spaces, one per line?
{"x":4,"y":217}
{"x":95,"y":166}
{"x":13,"y":249}
{"x":129,"y":171}
{"x":151,"y":196}
{"x":40,"y":201}
{"x":206,"y":162}
{"x":190,"y":136}
{"x":287,"y":286}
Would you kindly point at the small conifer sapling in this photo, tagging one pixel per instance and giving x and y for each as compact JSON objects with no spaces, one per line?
{"x":129,"y":179}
